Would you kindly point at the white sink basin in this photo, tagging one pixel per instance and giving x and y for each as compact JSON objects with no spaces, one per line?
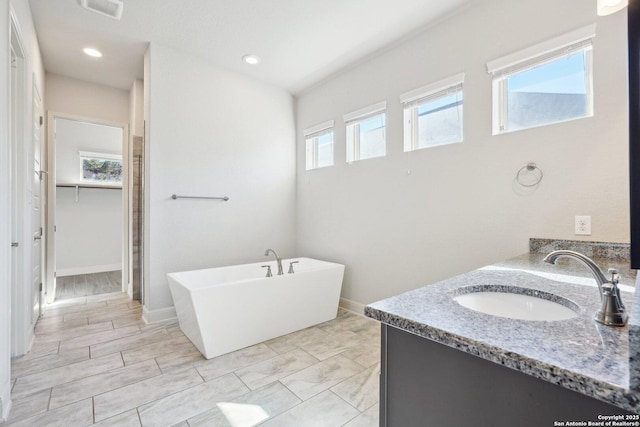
{"x":515,"y":306}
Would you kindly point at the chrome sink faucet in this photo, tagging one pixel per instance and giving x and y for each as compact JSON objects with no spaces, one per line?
{"x":612,"y":311}
{"x":278,"y":260}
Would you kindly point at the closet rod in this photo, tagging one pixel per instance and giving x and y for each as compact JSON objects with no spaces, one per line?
{"x":103,"y":187}
{"x":174,"y":197}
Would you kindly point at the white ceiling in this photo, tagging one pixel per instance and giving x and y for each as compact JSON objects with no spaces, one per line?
{"x":301,"y":42}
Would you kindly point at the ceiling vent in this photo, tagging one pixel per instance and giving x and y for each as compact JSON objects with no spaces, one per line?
{"x":110,"y":8}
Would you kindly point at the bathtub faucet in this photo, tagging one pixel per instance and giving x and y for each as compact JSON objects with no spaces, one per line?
{"x":278,"y":260}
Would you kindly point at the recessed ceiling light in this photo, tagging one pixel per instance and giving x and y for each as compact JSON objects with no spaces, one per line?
{"x":251,"y":59}
{"x":92,"y":52}
{"x":607,"y":7}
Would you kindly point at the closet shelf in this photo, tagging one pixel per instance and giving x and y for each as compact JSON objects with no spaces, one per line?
{"x":78,"y":186}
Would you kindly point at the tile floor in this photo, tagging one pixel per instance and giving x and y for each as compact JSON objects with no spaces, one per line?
{"x":94,"y":362}
{"x":88,"y":284}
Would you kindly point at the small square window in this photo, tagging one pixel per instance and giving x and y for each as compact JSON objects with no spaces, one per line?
{"x":553,"y":92}
{"x":366,"y":138}
{"x":319,"y":145}
{"x":366,"y":133}
{"x":540,"y":89}
{"x":319,"y":149}
{"x":433,"y":115}
{"x":101,"y":168}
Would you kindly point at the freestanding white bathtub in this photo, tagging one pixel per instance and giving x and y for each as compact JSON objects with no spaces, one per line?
{"x":228,"y":308}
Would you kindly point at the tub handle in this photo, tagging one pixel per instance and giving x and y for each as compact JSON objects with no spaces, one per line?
{"x":268,"y":270}
{"x":291,"y":267}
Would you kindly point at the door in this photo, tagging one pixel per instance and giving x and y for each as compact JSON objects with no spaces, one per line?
{"x":21,"y":199}
{"x":37,"y":207}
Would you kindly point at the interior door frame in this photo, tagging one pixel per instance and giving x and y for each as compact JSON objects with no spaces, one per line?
{"x":51,"y":197}
{"x":42,"y":180}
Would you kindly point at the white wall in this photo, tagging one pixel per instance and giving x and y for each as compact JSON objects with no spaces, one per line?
{"x":80,"y":98}
{"x":214,"y":133}
{"x":146,"y":265}
{"x":89,"y":230}
{"x":73,"y":136}
{"x":35,"y":74}
{"x":5,"y":234}
{"x":458,"y":209}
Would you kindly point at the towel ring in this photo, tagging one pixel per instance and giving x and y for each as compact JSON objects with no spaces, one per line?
{"x":529,"y":170}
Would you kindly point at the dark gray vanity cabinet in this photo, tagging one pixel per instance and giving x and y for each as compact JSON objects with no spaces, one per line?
{"x":424,"y":383}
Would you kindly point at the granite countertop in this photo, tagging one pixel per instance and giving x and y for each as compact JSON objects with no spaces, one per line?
{"x":578,"y":354}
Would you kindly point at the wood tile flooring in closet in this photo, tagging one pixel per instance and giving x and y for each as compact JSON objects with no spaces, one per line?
{"x":83,"y":285}
{"x":95,"y":362}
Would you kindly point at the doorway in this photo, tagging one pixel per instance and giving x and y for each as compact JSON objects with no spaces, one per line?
{"x":88,"y":207}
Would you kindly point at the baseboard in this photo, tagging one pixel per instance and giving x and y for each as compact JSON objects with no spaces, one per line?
{"x":88,"y":270}
{"x":160,"y":315}
{"x":352,"y":306}
{"x":32,"y":337}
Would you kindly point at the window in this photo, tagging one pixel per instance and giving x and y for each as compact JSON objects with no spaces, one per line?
{"x":100,"y":168}
{"x":547,"y":83}
{"x":433,"y":114}
{"x":319,"y":141}
{"x":366,"y":133}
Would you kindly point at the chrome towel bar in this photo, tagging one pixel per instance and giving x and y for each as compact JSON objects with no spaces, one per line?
{"x":174,"y":197}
